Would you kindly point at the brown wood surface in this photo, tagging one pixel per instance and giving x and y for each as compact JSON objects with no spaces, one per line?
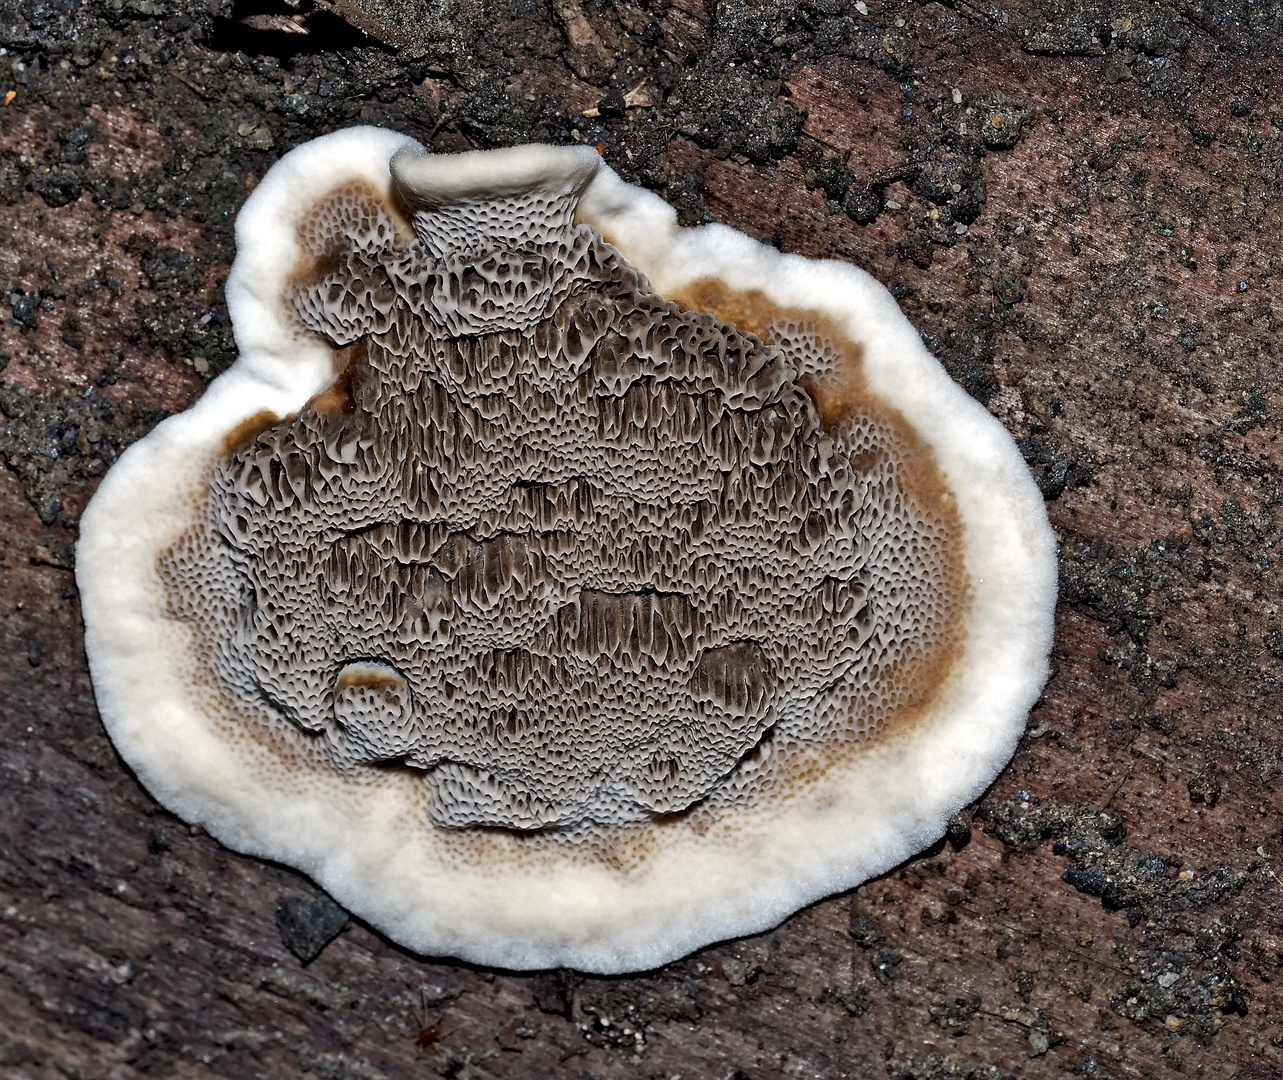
{"x":1112,"y":909}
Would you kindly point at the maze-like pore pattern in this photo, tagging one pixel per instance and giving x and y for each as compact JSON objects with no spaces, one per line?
{"x":581,"y":556}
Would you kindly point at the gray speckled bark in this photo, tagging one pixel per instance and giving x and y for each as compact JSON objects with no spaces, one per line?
{"x":1078,"y":208}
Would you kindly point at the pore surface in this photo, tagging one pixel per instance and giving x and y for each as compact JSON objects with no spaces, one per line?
{"x":578,"y":555}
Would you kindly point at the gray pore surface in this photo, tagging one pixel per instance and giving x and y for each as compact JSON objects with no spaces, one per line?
{"x":580,"y":555}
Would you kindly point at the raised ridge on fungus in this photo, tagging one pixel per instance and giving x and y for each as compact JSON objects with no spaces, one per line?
{"x":543,"y":617}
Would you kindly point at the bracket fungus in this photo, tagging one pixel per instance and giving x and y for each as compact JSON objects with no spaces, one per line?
{"x":554,"y":585}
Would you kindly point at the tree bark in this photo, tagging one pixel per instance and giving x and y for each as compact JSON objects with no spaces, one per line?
{"x":1077,"y":206}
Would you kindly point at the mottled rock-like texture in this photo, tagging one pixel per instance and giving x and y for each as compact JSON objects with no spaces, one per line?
{"x":1077,"y":206}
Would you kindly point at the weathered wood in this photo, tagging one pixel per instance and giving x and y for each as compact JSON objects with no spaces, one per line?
{"x":1078,"y":207}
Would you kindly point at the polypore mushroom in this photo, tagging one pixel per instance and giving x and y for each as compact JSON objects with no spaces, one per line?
{"x":555,"y":585}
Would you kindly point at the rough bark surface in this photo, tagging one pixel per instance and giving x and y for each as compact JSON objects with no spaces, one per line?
{"x":1078,"y":206}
